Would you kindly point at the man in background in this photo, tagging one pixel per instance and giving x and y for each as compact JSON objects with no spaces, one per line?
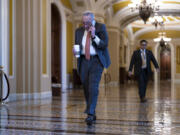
{"x":141,"y":59}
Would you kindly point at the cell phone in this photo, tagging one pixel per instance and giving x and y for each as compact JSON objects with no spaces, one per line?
{"x":93,"y":23}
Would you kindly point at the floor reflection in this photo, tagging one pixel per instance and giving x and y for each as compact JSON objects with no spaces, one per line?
{"x":119,"y":111}
{"x":4,"y":117}
{"x":91,"y":130}
{"x":143,"y":120}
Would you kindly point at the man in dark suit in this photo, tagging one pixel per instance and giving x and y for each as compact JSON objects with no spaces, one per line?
{"x":141,"y":59}
{"x":93,"y":40}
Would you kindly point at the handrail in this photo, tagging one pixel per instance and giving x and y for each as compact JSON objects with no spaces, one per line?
{"x":8,"y":85}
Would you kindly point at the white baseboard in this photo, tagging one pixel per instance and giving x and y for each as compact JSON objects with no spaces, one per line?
{"x":15,"y":97}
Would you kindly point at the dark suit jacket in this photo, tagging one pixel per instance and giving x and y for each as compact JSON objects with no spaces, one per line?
{"x":136,"y":61}
{"x":101,"y":49}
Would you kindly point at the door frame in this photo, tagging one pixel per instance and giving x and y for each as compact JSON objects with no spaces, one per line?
{"x":163,"y":58}
{"x":63,"y":41}
{"x":56,"y":44}
{"x":157,"y":56}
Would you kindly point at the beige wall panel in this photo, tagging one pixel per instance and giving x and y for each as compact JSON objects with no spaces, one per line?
{"x":31,"y":70}
{"x":19,"y":47}
{"x":26,"y":45}
{"x":36,"y":45}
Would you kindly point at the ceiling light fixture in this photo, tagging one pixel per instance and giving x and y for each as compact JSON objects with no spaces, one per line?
{"x":156,"y":20}
{"x":146,"y":8}
{"x":162,"y":39}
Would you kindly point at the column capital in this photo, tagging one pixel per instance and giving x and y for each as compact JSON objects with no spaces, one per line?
{"x":69,"y":15}
{"x":113,"y":28}
{"x":99,"y":17}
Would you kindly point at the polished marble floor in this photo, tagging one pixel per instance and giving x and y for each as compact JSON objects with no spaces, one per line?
{"x":119,"y":112}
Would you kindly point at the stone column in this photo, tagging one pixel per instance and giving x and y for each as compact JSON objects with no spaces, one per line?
{"x":130,"y":50}
{"x":114,"y":49}
{"x":27,"y":26}
{"x":4,"y":41}
{"x":4,"y":30}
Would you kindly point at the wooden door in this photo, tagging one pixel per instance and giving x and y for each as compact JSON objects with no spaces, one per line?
{"x":165,"y":64}
{"x":55,"y":44}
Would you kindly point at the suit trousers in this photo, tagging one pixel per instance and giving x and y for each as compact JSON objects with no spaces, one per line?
{"x":90,"y":74}
{"x":142,"y":80}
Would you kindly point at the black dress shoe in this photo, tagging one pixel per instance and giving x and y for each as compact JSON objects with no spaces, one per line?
{"x":94,"y":118}
{"x":143,"y":100}
{"x":90,"y":119}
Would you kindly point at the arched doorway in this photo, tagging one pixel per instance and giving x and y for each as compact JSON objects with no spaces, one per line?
{"x":55,"y":50}
{"x":165,"y":63}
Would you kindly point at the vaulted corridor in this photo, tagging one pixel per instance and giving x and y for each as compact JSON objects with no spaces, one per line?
{"x":36,"y":42}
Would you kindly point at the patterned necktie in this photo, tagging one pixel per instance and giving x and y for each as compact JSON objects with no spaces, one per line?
{"x":87,"y":46}
{"x":143,"y":58}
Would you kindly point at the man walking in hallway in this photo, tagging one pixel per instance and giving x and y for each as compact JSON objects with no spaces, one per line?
{"x":141,"y":59}
{"x":94,"y":57}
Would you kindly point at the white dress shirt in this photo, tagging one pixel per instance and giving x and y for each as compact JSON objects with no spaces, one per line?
{"x":92,"y":49}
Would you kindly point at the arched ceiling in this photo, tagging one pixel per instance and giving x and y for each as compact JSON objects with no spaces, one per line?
{"x":169,"y":9}
{"x":120,"y":14}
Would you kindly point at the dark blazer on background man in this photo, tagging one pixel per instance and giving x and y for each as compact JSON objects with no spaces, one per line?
{"x":101,"y":49}
{"x":136,"y":61}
